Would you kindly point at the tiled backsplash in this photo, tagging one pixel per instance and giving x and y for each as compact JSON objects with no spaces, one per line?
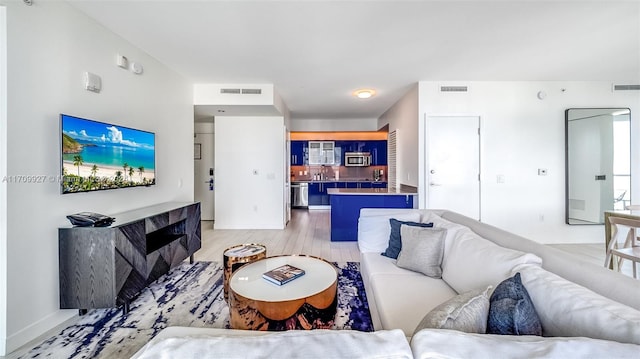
{"x":329,"y":173}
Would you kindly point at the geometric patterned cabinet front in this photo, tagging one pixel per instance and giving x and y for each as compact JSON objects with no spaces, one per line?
{"x":104,"y":267}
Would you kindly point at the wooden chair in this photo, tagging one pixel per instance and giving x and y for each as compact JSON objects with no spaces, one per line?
{"x":631,"y":248}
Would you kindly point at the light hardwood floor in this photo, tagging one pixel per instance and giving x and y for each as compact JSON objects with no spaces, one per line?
{"x":308,"y":232}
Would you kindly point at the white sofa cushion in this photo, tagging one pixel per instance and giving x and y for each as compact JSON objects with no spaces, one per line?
{"x":290,"y":344}
{"x":372,"y":263}
{"x":374,"y":230}
{"x":568,"y":309}
{"x":403,"y":300}
{"x":472,"y":262}
{"x":442,"y":343}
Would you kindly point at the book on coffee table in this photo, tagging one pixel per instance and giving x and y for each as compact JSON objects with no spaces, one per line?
{"x":283,"y":274}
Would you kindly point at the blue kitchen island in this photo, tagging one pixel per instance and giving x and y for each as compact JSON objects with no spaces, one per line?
{"x":347,"y":202}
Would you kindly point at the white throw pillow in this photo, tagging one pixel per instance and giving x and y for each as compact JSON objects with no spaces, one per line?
{"x":374,"y":231}
{"x":472,"y":262}
{"x":422,"y":250}
{"x":466,"y":312}
{"x":441,"y":343}
{"x":568,"y":309}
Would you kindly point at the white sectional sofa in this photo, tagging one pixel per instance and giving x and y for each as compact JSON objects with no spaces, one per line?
{"x":586,"y":311}
{"x":573,"y":298}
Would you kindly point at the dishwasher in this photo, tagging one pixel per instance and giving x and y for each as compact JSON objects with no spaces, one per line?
{"x":299,"y":195}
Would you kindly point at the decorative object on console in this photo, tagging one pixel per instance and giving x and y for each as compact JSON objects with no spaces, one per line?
{"x":422,"y":250}
{"x":511,"y":310}
{"x":395,"y":242}
{"x":466,"y":312}
{"x":86,"y":219}
{"x":190,"y":295}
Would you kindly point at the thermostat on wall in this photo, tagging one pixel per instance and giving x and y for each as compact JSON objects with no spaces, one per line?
{"x":92,"y":82}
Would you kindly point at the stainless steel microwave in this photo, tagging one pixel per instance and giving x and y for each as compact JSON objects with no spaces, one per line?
{"x":357,"y":159}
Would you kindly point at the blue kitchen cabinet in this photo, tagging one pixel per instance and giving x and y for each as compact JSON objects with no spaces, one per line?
{"x":351,"y":185}
{"x":318,"y":195}
{"x":365,"y":185}
{"x":325,"y":195}
{"x":378,"y":151}
{"x":315,"y":196}
{"x":378,"y":184}
{"x":299,"y":150}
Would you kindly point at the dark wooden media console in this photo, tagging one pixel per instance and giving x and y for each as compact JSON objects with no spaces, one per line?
{"x":104,"y":267}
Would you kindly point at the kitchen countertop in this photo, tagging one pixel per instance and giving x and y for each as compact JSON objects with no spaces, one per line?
{"x":369,"y":191}
{"x":334,"y":180}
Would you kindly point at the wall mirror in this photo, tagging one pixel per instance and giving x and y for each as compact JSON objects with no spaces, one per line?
{"x":598,"y":162}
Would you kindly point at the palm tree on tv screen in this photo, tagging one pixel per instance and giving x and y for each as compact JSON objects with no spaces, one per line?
{"x":131,"y":172}
{"x":125,"y":166}
{"x":94,"y":170}
{"x":77,"y":161}
{"x":141,"y":171}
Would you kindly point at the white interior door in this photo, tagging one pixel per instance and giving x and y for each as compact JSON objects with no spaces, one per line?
{"x":204,"y":176}
{"x":453,"y":164}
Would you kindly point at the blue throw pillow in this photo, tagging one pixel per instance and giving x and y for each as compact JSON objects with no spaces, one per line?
{"x":395,"y":243}
{"x":511,"y":311}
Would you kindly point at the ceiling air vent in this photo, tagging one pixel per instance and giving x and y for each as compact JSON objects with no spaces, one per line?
{"x":626,"y":87}
{"x":251,"y":91}
{"x":230,"y":91}
{"x":454,"y":89}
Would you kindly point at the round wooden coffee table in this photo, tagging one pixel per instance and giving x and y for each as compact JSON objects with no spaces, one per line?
{"x":307,"y":302}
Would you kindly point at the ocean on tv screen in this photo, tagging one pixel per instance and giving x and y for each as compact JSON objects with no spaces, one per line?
{"x":97,"y":155}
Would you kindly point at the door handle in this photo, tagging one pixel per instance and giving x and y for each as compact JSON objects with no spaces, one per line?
{"x":434,"y":184}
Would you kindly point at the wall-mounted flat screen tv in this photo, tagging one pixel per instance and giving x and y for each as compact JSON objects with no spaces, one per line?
{"x":99,"y":156}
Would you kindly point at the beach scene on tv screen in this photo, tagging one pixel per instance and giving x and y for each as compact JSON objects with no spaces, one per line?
{"x":97,"y":156}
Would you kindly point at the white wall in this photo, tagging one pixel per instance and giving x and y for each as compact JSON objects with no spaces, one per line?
{"x":403,"y":117}
{"x":50,"y":45}
{"x":311,"y":125}
{"x":521,"y":134}
{"x":3,"y":173}
{"x":243,"y":145}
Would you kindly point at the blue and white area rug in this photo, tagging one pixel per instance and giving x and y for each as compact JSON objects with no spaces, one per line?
{"x":190,"y":295}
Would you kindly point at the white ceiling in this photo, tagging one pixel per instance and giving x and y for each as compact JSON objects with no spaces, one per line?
{"x":317,"y":52}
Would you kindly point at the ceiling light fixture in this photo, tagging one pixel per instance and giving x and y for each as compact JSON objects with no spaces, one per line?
{"x":364,"y":93}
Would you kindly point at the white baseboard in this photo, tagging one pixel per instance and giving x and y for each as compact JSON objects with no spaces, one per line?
{"x":40,"y":329}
